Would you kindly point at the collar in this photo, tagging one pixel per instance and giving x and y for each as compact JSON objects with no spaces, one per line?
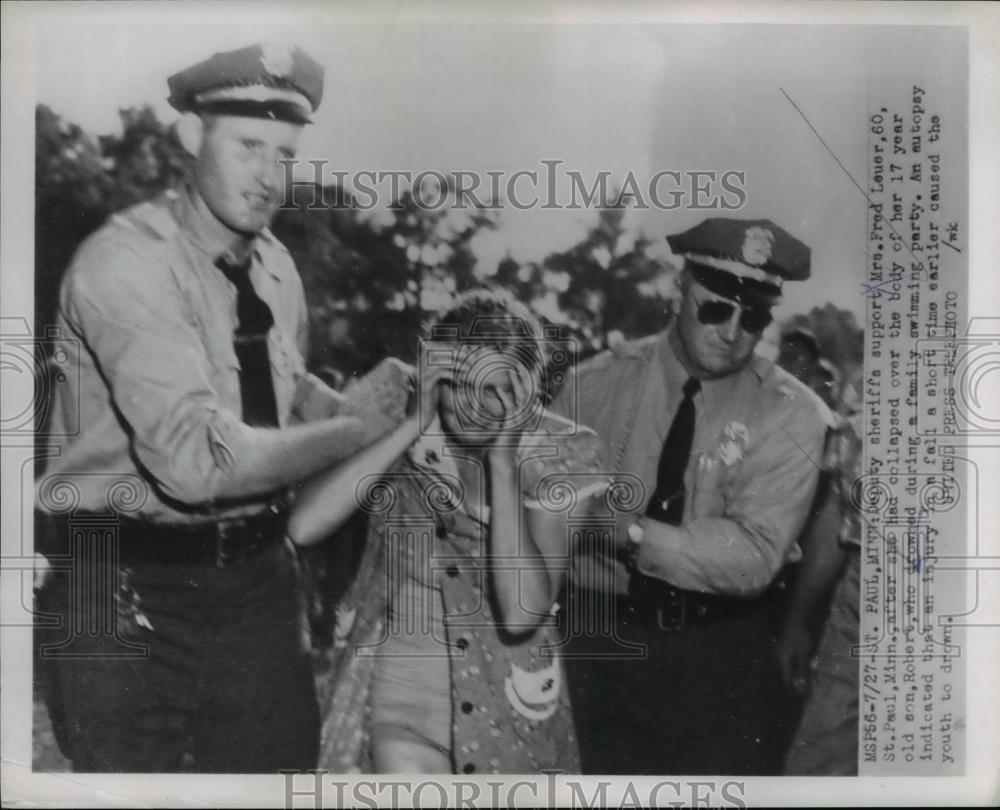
{"x":430,"y":455}
{"x":428,"y":452}
{"x":664,"y":355}
{"x":192,"y":219}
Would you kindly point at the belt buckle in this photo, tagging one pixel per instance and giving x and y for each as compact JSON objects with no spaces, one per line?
{"x":676,"y":622}
{"x":225,"y":532}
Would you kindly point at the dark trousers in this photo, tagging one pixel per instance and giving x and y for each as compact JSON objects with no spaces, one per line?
{"x":699,"y":700}
{"x":161,"y":668}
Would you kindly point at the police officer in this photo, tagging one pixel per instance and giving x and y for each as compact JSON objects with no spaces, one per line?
{"x":190,"y":417}
{"x":671,"y":663}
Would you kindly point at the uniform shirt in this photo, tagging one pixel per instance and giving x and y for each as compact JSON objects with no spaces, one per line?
{"x":750,"y":479}
{"x":148,"y":419}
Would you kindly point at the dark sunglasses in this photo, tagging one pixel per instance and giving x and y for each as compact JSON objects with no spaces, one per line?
{"x":752,"y":321}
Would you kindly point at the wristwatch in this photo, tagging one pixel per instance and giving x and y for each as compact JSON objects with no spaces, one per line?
{"x":632,"y":542}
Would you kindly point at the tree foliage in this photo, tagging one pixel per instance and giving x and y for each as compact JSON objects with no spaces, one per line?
{"x":79,"y":182}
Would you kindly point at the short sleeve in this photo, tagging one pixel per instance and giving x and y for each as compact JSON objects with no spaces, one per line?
{"x":554,"y":463}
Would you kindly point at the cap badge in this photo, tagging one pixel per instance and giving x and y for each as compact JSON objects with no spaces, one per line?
{"x":276,"y":58}
{"x":757,"y":246}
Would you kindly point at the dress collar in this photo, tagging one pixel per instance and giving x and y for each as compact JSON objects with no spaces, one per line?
{"x":431,"y":456}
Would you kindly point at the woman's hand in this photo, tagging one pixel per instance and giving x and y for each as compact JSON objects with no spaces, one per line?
{"x":519,"y":401}
{"x":381,"y":395}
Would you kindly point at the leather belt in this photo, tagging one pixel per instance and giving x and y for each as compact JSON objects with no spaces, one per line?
{"x":657,"y":604}
{"x":223,"y":542}
{"x":675,"y":608}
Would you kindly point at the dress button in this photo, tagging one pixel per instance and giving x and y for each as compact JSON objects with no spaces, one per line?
{"x":467,"y":707}
{"x":452,"y":570}
{"x":468,"y":767}
{"x":462,"y":643}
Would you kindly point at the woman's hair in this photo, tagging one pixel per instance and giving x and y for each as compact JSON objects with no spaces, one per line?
{"x":492,"y":316}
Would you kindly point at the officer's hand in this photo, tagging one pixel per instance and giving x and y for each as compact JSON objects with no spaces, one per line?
{"x":380,"y":397}
{"x":424,"y":401}
{"x":794,"y":649}
{"x":393,"y":378}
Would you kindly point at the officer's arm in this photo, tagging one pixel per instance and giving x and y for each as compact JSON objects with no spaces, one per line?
{"x":823,"y":559}
{"x":126,"y":308}
{"x":741,"y":552}
{"x":314,"y":399}
{"x":823,"y":556}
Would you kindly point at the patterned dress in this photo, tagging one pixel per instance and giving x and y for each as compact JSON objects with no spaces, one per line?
{"x":420,"y":652}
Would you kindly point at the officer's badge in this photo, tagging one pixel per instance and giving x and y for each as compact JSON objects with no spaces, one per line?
{"x":757,"y":245}
{"x":276,"y":58}
{"x":734,"y":442}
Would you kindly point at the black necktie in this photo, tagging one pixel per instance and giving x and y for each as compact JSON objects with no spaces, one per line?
{"x":250,"y":342}
{"x":668,"y":499}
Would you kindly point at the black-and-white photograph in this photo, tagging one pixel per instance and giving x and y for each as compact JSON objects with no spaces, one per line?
{"x":447,"y":394}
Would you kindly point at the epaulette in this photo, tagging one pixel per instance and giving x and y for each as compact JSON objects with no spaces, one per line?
{"x":273,"y":241}
{"x":786,"y":387}
{"x":634,"y":349}
{"x":630,"y":350}
{"x":554,"y":424}
{"x":152,"y":218}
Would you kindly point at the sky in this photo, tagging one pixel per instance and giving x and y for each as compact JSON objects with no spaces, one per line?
{"x":618,"y":98}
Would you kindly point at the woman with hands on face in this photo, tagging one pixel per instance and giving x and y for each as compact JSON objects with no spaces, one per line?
{"x":448,"y":639}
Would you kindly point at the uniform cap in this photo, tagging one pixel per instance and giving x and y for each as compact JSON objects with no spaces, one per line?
{"x":745,"y":260}
{"x":271,"y":79}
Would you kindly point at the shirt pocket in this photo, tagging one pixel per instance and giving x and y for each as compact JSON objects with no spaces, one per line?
{"x":225,"y":369}
{"x":286,"y":368}
{"x":708,"y":492}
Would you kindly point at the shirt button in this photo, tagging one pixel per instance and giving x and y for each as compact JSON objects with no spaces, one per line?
{"x":467,"y":707}
{"x":468,"y":767}
{"x":452,"y":570}
{"x":462,"y":643}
